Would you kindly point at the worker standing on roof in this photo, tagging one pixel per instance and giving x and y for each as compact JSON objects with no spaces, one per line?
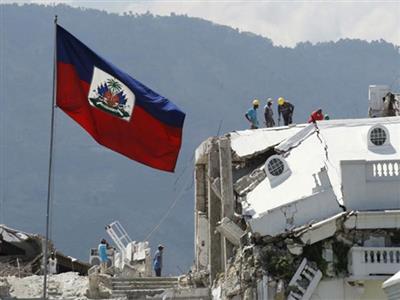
{"x":316,"y":116}
{"x":286,"y":109}
{"x":269,"y":114}
{"x":251,"y":115}
{"x":157,"y":260}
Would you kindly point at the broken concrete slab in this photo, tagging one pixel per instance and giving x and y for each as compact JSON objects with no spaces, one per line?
{"x":230,"y":230}
{"x":249,"y":182}
{"x":321,"y":230}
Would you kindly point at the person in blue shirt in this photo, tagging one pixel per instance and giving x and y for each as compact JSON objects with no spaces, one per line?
{"x":157,"y":260}
{"x":102,"y":252}
{"x":251,"y":115}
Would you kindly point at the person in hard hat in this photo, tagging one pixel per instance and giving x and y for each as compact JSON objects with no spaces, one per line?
{"x":316,"y":116}
{"x":269,"y":114}
{"x":286,"y":109}
{"x":157,"y":260}
{"x":251,"y":115}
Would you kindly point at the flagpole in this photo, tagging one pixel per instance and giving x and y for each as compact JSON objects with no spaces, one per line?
{"x":49,"y":182}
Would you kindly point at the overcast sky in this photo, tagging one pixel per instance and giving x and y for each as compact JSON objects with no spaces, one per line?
{"x":285,"y":22}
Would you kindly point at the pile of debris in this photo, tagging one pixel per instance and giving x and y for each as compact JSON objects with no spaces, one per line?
{"x":291,"y":265}
{"x":271,"y":262}
{"x":62,"y":286}
{"x":15,"y":266}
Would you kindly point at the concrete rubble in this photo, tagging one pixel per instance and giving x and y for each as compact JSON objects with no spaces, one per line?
{"x":324,"y":252}
{"x":61,"y":286}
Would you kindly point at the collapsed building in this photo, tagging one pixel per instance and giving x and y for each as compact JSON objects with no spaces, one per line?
{"x":21,"y":254}
{"x":301,"y":212}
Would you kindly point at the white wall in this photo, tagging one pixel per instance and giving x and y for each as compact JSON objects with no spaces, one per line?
{"x":339,"y":289}
{"x":361,"y":191}
{"x":317,"y":207}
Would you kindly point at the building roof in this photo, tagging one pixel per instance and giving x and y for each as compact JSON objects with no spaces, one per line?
{"x":247,"y":143}
{"x":306,"y":155}
{"x":313,"y":155}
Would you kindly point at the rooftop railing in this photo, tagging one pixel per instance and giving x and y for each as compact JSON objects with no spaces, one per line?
{"x":374,"y":261}
{"x":383,"y":170}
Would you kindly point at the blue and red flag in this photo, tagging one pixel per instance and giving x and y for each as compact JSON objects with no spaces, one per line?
{"x":118,"y":111}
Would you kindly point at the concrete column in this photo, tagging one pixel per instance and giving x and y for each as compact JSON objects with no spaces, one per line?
{"x":227,"y":197}
{"x":214,"y":213}
{"x":200,"y":188}
{"x":200,"y":217}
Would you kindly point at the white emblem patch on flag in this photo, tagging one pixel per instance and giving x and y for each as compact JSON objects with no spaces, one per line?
{"x":111,"y":95}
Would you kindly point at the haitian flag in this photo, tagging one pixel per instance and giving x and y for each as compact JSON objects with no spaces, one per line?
{"x":118,"y":111}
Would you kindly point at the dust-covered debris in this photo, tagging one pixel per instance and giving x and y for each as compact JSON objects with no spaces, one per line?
{"x":61,"y":286}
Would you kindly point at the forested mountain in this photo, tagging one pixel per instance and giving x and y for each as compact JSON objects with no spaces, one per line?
{"x":211,"y":72}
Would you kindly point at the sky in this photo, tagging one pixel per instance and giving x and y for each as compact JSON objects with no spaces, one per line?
{"x":284,"y":22}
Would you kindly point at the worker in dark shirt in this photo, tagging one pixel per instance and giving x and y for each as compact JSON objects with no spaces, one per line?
{"x":286,"y":109}
{"x":269,"y":114}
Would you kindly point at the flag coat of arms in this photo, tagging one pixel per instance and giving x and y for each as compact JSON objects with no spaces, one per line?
{"x":118,"y":111}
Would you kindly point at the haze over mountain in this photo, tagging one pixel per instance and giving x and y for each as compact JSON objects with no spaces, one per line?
{"x":211,"y":72}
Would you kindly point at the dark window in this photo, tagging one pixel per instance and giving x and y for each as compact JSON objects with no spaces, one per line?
{"x":276,"y":167}
{"x":378,"y":136}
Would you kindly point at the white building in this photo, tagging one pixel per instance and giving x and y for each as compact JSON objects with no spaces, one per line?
{"x":330,"y":192}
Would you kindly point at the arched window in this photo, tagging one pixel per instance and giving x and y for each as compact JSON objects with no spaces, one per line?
{"x":378,"y":135}
{"x":277,"y":169}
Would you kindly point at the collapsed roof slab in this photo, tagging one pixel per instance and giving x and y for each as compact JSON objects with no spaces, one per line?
{"x":250,"y":143}
{"x":28,"y":244}
{"x":285,"y":218}
{"x":11,"y":235}
{"x":321,"y":230}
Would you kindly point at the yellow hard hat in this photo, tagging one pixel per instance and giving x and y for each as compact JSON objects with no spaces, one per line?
{"x":256,"y":102}
{"x":281,"y":100}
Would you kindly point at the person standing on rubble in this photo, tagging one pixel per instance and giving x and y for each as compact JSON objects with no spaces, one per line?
{"x":286,"y":109}
{"x":251,"y":115}
{"x":269,"y":114}
{"x":157,"y":260}
{"x":52,"y":264}
{"x":316,"y":116}
{"x":102,"y":252}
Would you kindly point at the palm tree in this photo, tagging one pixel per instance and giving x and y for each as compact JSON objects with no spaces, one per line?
{"x":114,"y":86}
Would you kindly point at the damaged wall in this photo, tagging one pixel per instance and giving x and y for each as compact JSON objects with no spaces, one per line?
{"x":294,"y":231}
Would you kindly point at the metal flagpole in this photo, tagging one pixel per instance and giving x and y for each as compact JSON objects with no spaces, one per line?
{"x":49,"y":183}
